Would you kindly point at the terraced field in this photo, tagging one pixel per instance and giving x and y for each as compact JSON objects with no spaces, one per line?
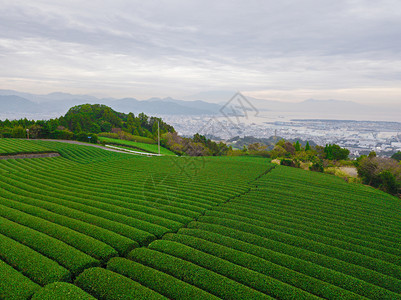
{"x":97,"y":224}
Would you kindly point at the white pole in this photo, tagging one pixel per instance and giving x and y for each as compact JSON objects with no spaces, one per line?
{"x":158,"y":134}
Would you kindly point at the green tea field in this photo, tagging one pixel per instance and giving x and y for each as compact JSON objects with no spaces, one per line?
{"x":151,"y":148}
{"x":96,"y":224}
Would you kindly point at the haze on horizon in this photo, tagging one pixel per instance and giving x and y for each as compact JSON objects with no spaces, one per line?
{"x":278,"y":50}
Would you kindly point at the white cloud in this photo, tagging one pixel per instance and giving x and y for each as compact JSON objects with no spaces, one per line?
{"x":176,"y":48}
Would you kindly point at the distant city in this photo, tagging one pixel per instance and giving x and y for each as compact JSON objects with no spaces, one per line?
{"x":360,"y":137}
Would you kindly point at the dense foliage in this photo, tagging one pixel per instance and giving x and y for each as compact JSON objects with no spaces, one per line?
{"x":379,"y":172}
{"x":397,"y":156}
{"x":83,"y":123}
{"x":199,"y":145}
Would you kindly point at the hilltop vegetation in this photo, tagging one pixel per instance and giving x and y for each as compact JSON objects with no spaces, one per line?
{"x":98,"y":224}
{"x":85,"y":120}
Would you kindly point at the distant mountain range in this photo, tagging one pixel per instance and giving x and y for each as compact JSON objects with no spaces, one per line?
{"x":17,"y":102}
{"x":20,"y":104}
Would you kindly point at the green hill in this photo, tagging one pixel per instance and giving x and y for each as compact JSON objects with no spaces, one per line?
{"x":95,"y":223}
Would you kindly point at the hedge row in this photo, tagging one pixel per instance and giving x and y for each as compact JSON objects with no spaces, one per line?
{"x":286,"y":256}
{"x":105,"y":284}
{"x":84,"y":243}
{"x":18,"y":146}
{"x":252,"y":262}
{"x":61,"y":290}
{"x":304,"y":232}
{"x":186,"y":193}
{"x":304,"y":204}
{"x":153,"y":224}
{"x":14,"y":285}
{"x":359,"y":226}
{"x":35,"y":266}
{"x":28,"y":205}
{"x":202,"y":278}
{"x":160,"y":282}
{"x":180,"y":202}
{"x":81,"y":212}
{"x":255,"y":280}
{"x":339,"y":231}
{"x":108,"y":190}
{"x":375,"y":271}
{"x":70,"y":258}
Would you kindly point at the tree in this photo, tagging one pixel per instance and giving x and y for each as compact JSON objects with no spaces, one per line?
{"x":307,"y":147}
{"x":18,"y":132}
{"x":317,"y":166}
{"x":297,"y":146}
{"x":289,"y":147}
{"x":278,"y":151}
{"x":397,"y":156}
{"x":382,"y":173}
{"x":335,"y":152}
{"x":388,"y":182}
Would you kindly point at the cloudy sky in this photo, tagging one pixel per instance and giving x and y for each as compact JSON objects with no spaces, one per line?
{"x":282,"y":50}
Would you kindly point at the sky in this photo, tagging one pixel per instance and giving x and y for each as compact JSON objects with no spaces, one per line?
{"x":279,"y":50}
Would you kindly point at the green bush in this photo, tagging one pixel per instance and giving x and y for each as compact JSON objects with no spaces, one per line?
{"x":35,"y":266}
{"x":39,"y":209}
{"x":375,"y":265}
{"x":105,"y":284}
{"x":71,"y":237}
{"x":325,"y":269}
{"x":86,"y":213}
{"x":68,"y":257}
{"x":255,"y":280}
{"x":202,"y":278}
{"x":160,"y":282}
{"x":248,"y":260}
{"x":61,"y":291}
{"x":14,"y":285}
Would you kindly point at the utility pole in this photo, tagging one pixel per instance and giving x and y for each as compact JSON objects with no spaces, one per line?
{"x":158,"y":136}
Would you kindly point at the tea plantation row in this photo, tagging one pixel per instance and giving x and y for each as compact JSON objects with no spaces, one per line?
{"x":98,"y":224}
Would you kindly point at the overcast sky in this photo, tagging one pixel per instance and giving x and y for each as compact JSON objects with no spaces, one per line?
{"x":281,"y":50}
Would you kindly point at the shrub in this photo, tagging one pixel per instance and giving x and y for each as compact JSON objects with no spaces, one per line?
{"x":61,"y":290}
{"x":105,"y":284}
{"x":317,"y":167}
{"x":160,"y":282}
{"x":330,"y":270}
{"x":35,"y":266}
{"x":86,"y":244}
{"x":255,"y":280}
{"x":289,"y":163}
{"x":67,"y":256}
{"x":207,"y":280}
{"x":247,"y":259}
{"x":28,"y":205}
{"x":14,"y":285}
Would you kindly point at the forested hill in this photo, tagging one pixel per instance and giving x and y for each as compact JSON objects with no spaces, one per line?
{"x":85,"y":120}
{"x":98,"y":118}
